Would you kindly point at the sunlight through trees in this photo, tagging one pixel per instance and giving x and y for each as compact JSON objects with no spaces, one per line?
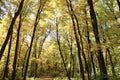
{"x":59,"y":39}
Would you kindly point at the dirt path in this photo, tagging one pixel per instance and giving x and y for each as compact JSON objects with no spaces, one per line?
{"x":46,"y":78}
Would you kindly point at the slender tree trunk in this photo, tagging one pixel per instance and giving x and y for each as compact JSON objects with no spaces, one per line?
{"x":77,"y":40}
{"x":96,"y":34}
{"x":86,"y":64}
{"x":81,"y":42}
{"x":59,"y":46}
{"x":34,"y":30}
{"x":107,"y":49}
{"x":40,"y":49}
{"x":10,"y":29}
{"x":34,"y":55}
{"x":79,"y":52}
{"x":16,"y":49}
{"x":6,"y":71}
{"x":89,"y":45}
{"x":23,"y":65}
{"x":82,"y":48}
{"x":35,"y":64}
{"x":21,"y":45}
{"x":72,"y":66}
{"x":93,"y":64}
{"x":29,"y":52}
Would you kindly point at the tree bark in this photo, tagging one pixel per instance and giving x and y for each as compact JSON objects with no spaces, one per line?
{"x":81,"y":42}
{"x":34,"y":30}
{"x":77,"y":41}
{"x":33,"y":63}
{"x":11,"y":28}
{"x":90,"y":53}
{"x":16,"y":49}
{"x":6,"y":71}
{"x":23,"y":65}
{"x":96,"y":34}
{"x":62,"y":57}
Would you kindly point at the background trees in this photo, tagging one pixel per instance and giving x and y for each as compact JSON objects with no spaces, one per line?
{"x":54,"y":37}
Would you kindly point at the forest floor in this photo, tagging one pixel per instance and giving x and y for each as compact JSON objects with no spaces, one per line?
{"x":41,"y":78}
{"x":46,"y":78}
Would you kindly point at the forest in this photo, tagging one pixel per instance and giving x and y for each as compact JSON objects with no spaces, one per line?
{"x":59,"y":39}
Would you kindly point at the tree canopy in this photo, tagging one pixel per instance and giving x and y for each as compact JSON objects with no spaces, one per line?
{"x":69,"y":39}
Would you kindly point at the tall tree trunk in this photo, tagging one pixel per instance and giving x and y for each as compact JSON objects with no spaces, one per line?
{"x":86,"y":64}
{"x":77,"y":41}
{"x":33,"y":63}
{"x":96,"y":34}
{"x":40,"y":49}
{"x":89,"y":45}
{"x":93,"y":64}
{"x":81,"y":42}
{"x":60,"y":51}
{"x":34,"y":30}
{"x":107,"y":49}
{"x":29,"y":52}
{"x":23,"y":65}
{"x":16,"y":49}
{"x":6,"y":71}
{"x":10,"y":29}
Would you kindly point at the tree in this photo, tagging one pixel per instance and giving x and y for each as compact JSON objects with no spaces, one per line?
{"x":60,"y":51}
{"x":66,"y":39}
{"x":6,"y":70}
{"x":90,"y":53}
{"x":96,"y":34}
{"x":11,"y":28}
{"x":76,"y":38}
{"x":34,"y":30}
{"x":16,"y":48}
